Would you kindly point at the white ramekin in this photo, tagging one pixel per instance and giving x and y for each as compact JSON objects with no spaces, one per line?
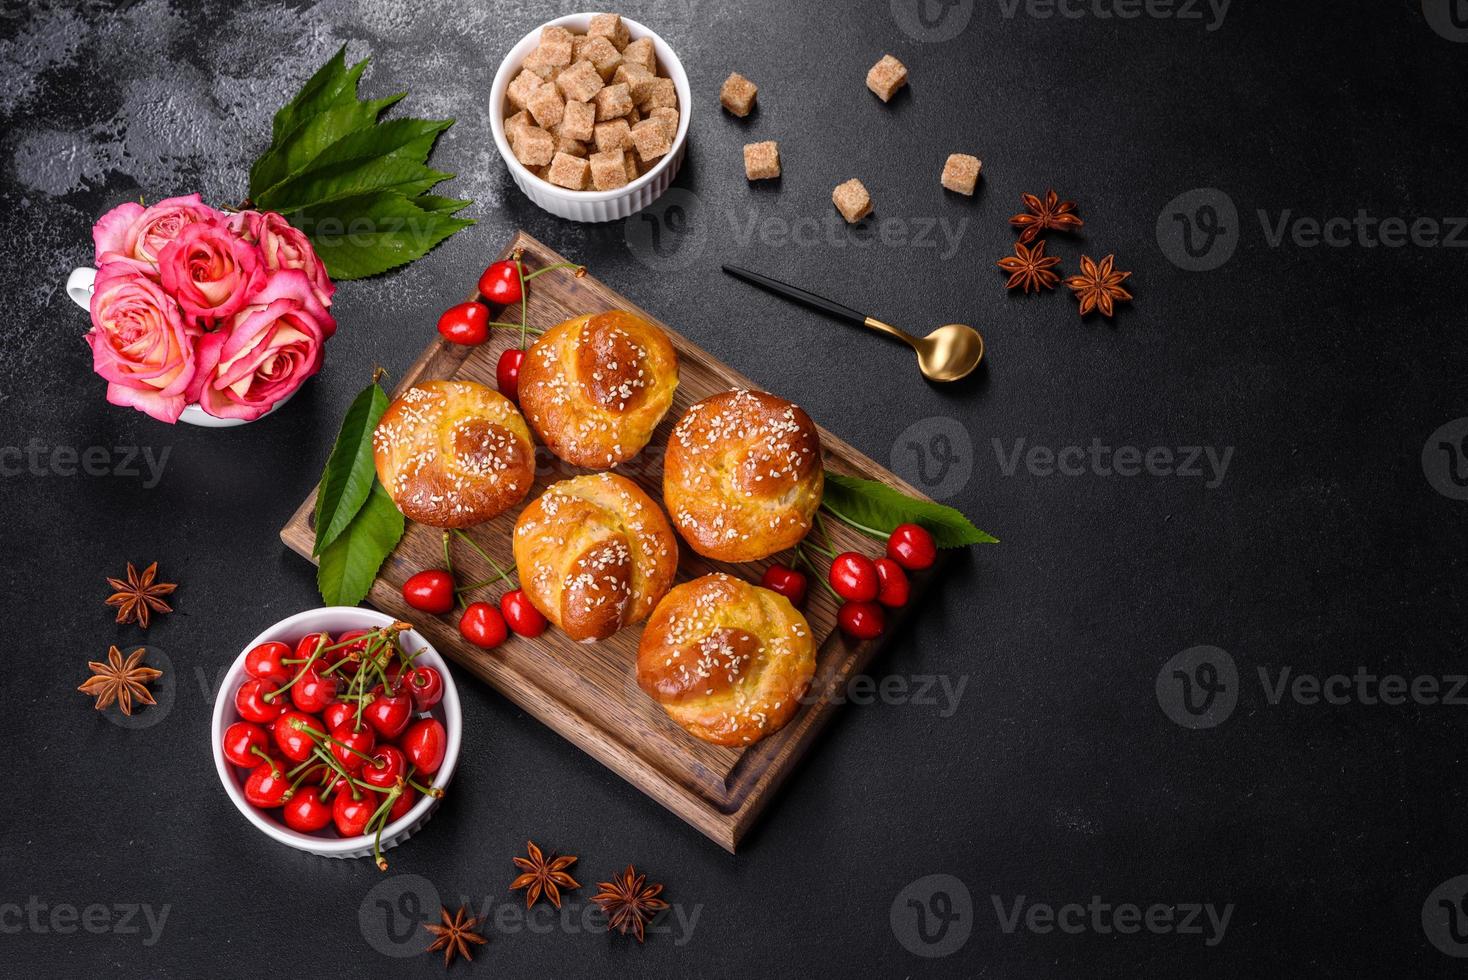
{"x":612,"y":205}
{"x":334,"y":619}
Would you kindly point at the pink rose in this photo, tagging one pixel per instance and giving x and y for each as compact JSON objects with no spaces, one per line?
{"x":140,"y":343}
{"x":211,"y":271}
{"x":265,"y":351}
{"x":137,"y":235}
{"x":284,"y":247}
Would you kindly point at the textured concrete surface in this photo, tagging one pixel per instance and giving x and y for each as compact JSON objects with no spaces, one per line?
{"x":1320,"y":371}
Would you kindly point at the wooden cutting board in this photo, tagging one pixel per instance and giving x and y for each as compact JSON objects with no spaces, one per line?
{"x":588,"y":692}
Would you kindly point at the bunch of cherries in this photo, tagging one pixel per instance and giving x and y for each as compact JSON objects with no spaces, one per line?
{"x":486,"y":625}
{"x":338,"y":732}
{"x":865,"y":588}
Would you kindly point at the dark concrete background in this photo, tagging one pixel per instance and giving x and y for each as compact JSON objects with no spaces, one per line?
{"x":1326,"y":547}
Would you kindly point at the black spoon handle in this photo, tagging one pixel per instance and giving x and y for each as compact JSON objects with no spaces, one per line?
{"x":796,"y":293}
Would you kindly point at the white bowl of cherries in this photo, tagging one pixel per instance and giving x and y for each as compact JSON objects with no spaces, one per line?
{"x":336,"y":731}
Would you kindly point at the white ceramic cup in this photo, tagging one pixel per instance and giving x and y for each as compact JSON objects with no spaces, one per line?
{"x":612,"y":205}
{"x":79,"y":286}
{"x":333,"y":620}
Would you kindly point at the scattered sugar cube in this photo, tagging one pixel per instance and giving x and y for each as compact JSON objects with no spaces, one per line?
{"x":651,"y":139}
{"x":639,"y":80}
{"x":609,"y":170}
{"x":738,"y":94}
{"x":603,"y":54}
{"x":514,"y":123}
{"x":612,"y":102}
{"x":613,"y":135}
{"x":556,"y":44}
{"x":547,"y":106}
{"x":669,"y":119}
{"x":578,"y":121}
{"x":609,"y":26}
{"x":526,"y":84}
{"x":569,"y":172}
{"x":886,"y":77}
{"x":580,"y":81}
{"x":762,"y":160}
{"x":533,"y":146}
{"x":852,"y":200}
{"x":661,"y":93}
{"x":961,"y":173}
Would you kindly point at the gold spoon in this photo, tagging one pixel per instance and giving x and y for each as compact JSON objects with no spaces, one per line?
{"x":947,"y":354}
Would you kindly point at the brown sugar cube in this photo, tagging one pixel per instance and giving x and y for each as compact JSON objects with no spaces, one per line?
{"x":638,"y":79}
{"x":602,"y":54}
{"x":961,"y":173}
{"x":738,"y":94}
{"x":556,"y":45}
{"x":651,"y":139}
{"x":609,"y":26}
{"x":570,"y":147}
{"x":634,"y":116}
{"x":669,"y":119}
{"x":614,"y":135}
{"x":580,"y":82}
{"x":661,"y":94}
{"x":762,"y":160}
{"x":609,"y":170}
{"x":852,"y":200}
{"x":569,"y":172}
{"x":629,"y":160}
{"x":886,"y":77}
{"x":612,"y":102}
{"x":514,"y":123}
{"x":546,"y":105}
{"x":579,"y":121}
{"x":533,"y":146}
{"x":526,"y":84}
{"x":641,"y":52}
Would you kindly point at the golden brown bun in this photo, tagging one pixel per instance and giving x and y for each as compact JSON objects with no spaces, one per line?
{"x":727,"y":660}
{"x":594,"y":554}
{"x":743,"y":476}
{"x":453,"y":453}
{"x":594,"y":388}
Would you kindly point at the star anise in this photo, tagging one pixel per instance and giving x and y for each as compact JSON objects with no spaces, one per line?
{"x":120,"y":681}
{"x":1098,"y":287}
{"x":629,"y":902}
{"x":1051,"y":213}
{"x":455,"y":935}
{"x":543,"y":876}
{"x":1030,"y":268}
{"x":138,"y":597}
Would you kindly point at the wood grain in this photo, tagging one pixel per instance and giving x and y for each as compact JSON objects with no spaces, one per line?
{"x":588,"y":692}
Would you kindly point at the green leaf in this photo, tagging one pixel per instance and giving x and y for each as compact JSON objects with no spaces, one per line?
{"x":365,"y":235}
{"x":442,"y":205}
{"x":333,"y":83}
{"x":308,"y":141}
{"x":350,"y":563}
{"x":389,"y":156}
{"x":350,"y":469}
{"x":876,"y":508}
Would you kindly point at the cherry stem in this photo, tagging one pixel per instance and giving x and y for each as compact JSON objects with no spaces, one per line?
{"x":500,"y":574}
{"x":558,"y":265}
{"x":379,"y":817}
{"x":299,"y":674}
{"x":312,"y":764}
{"x":320,"y":736}
{"x":879,"y":535}
{"x":337,"y":768}
{"x":274,"y":769}
{"x":520,"y":271}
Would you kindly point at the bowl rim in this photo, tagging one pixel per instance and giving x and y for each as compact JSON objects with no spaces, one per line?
{"x":224,"y":706}
{"x":516,"y":56}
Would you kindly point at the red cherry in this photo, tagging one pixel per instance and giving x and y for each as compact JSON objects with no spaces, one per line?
{"x":483,"y":626}
{"x":404,"y":803}
{"x":786,"y":581}
{"x":294,"y":743}
{"x":389,"y":713}
{"x":424,"y":743}
{"x":854,"y":577}
{"x":250,"y":701}
{"x":507,"y":373}
{"x":240,"y":739}
{"x":862,"y":620}
{"x":911,"y":547}
{"x":430,"y":591}
{"x":306,"y":811}
{"x":363,"y":742}
{"x":267,"y":786}
{"x":313,"y":693}
{"x":467,"y":323}
{"x":387,"y":765}
{"x":425,"y":686}
{"x":894,"y":590}
{"x":351,"y":815}
{"x":332,"y":657}
{"x":501,"y":284}
{"x":340,"y":715}
{"x":266,"y":659}
{"x":308,"y":643}
{"x":520,"y":613}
